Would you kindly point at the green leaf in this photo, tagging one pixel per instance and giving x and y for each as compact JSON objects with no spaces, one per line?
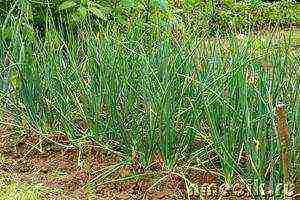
{"x":84,"y":3}
{"x":82,"y":11}
{"x":101,"y":13}
{"x":66,"y":5}
{"x":96,"y":5}
{"x":128,"y":3}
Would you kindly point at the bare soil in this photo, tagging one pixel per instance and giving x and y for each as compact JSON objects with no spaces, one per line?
{"x":90,"y":172}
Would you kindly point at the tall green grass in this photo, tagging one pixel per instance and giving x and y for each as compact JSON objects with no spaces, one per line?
{"x":144,"y":90}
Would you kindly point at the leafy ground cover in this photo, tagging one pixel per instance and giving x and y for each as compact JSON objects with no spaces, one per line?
{"x":156,"y":102}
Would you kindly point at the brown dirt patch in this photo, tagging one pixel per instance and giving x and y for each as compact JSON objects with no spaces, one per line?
{"x":95,"y":173}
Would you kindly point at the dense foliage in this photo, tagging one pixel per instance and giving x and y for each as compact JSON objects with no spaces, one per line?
{"x":218,"y":17}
